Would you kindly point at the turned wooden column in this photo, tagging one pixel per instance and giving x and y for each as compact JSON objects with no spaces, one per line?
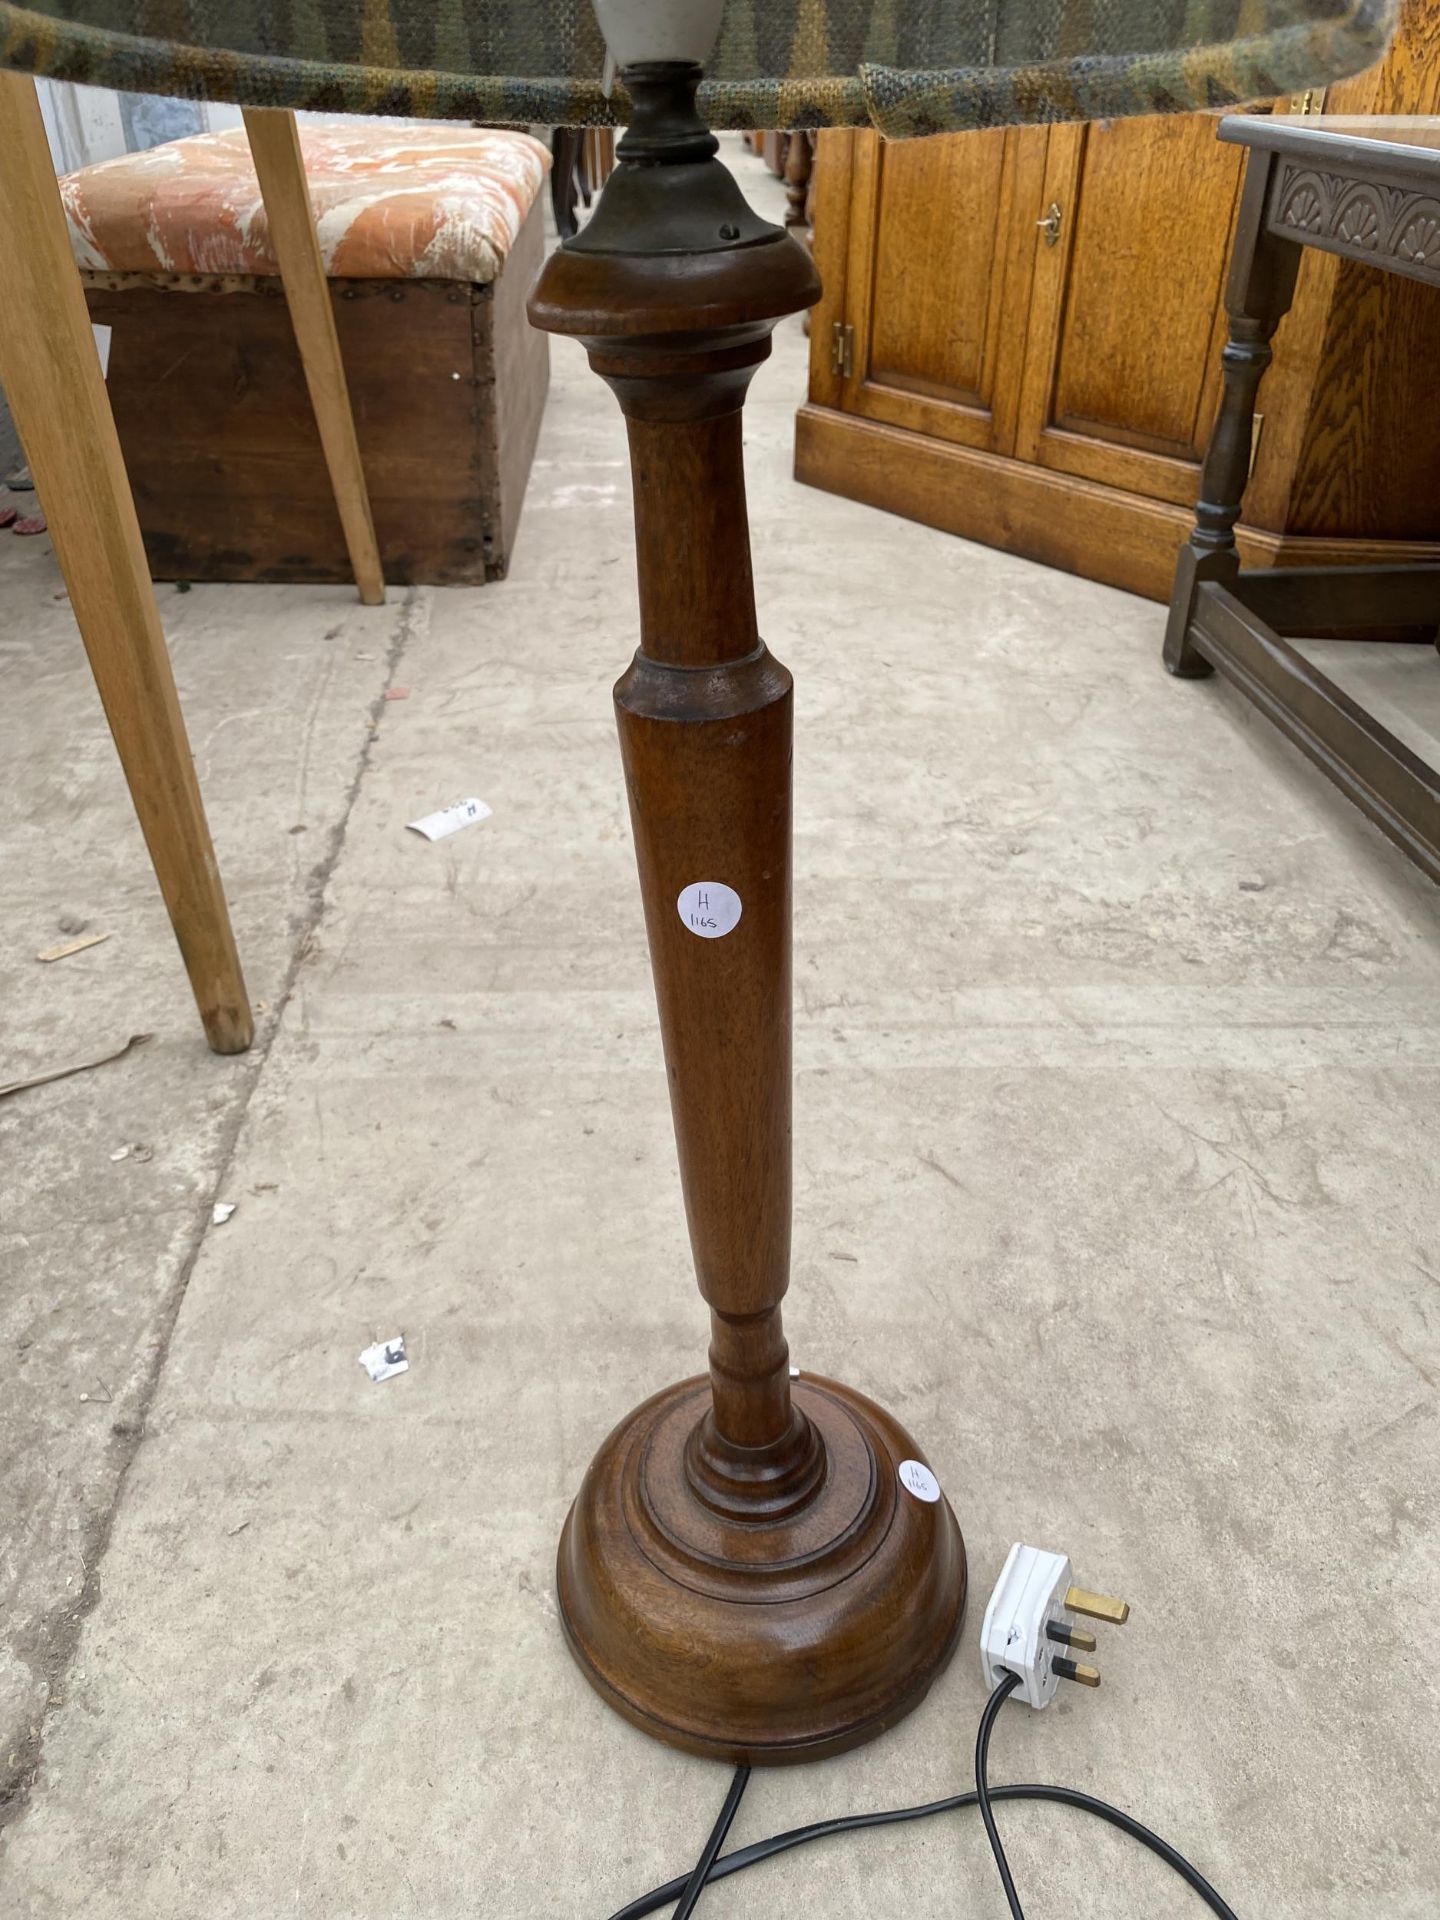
{"x":1257,"y":298}
{"x":744,"y":1572}
{"x":705,"y":731}
{"x":799,"y":165}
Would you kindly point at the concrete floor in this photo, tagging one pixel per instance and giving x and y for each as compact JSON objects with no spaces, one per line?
{"x":1116,"y":1147}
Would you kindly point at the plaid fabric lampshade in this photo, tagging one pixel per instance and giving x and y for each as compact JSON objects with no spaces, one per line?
{"x":904,"y":66}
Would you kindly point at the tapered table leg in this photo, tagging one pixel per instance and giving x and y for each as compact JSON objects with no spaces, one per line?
{"x":280,"y":169}
{"x":746,"y":1571}
{"x":51,"y":376}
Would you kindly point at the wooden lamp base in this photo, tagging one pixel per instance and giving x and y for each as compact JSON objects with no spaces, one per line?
{"x":774,"y":1641}
{"x":745,"y":1573}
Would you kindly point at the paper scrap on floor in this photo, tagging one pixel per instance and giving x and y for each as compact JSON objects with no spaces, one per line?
{"x":464,"y":813}
{"x":385,"y":1358}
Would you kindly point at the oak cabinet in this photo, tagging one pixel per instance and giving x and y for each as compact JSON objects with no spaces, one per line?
{"x":1020,"y":338}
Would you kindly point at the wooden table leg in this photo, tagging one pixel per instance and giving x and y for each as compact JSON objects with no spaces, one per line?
{"x":1257,"y":297}
{"x":51,"y":375}
{"x":748,"y":1570}
{"x":280,"y":169}
{"x":799,"y":162}
{"x":567,"y":149}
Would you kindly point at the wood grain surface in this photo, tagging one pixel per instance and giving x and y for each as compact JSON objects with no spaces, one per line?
{"x":448,"y":385}
{"x":1096,"y":360}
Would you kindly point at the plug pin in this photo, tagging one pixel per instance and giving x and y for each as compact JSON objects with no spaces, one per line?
{"x":1076,"y":1670}
{"x":1097,"y":1606}
{"x":1077,"y":1637}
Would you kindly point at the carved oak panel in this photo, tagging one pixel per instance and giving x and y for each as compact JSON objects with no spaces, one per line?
{"x":1393,"y":227}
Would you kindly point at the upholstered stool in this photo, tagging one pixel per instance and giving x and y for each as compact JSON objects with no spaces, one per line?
{"x":431,"y":238}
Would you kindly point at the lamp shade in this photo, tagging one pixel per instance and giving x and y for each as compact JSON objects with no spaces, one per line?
{"x":904,"y":66}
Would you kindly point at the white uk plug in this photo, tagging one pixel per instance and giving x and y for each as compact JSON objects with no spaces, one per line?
{"x":1029,"y":1628}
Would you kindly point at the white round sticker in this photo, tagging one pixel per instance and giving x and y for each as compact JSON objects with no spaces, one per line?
{"x":709,"y":908}
{"x":917,"y":1478}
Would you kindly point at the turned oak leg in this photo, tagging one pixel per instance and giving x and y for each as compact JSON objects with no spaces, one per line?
{"x":280,"y":169}
{"x":1257,"y":297}
{"x":799,"y":163}
{"x":51,"y":375}
{"x":746,"y":1571}
{"x":704,"y":716}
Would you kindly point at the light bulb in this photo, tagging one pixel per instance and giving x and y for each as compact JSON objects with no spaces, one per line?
{"x":637,"y":30}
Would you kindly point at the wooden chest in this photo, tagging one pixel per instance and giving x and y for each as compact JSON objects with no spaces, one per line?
{"x":447,"y":384}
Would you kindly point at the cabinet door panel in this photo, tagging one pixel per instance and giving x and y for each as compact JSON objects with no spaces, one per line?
{"x":935,"y":255}
{"x":938,"y":282}
{"x":1122,"y":373}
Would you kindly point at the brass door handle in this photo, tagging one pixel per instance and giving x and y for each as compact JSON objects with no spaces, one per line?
{"x":1049,"y":223}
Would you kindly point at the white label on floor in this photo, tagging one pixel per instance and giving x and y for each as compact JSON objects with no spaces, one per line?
{"x":917,"y":1478}
{"x":710,"y":908}
{"x":464,"y":813}
{"x":385,"y":1359}
{"x":102,"y":347}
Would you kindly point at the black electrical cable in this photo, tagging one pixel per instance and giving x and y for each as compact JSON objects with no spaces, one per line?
{"x":704,"y":1866}
{"x":759,"y":1850}
{"x":982,"y":1789}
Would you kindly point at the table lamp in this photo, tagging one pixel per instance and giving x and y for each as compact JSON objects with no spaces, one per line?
{"x":759,"y":1565}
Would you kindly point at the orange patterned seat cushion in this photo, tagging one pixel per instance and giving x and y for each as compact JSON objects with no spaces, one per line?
{"x":391,"y":203}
